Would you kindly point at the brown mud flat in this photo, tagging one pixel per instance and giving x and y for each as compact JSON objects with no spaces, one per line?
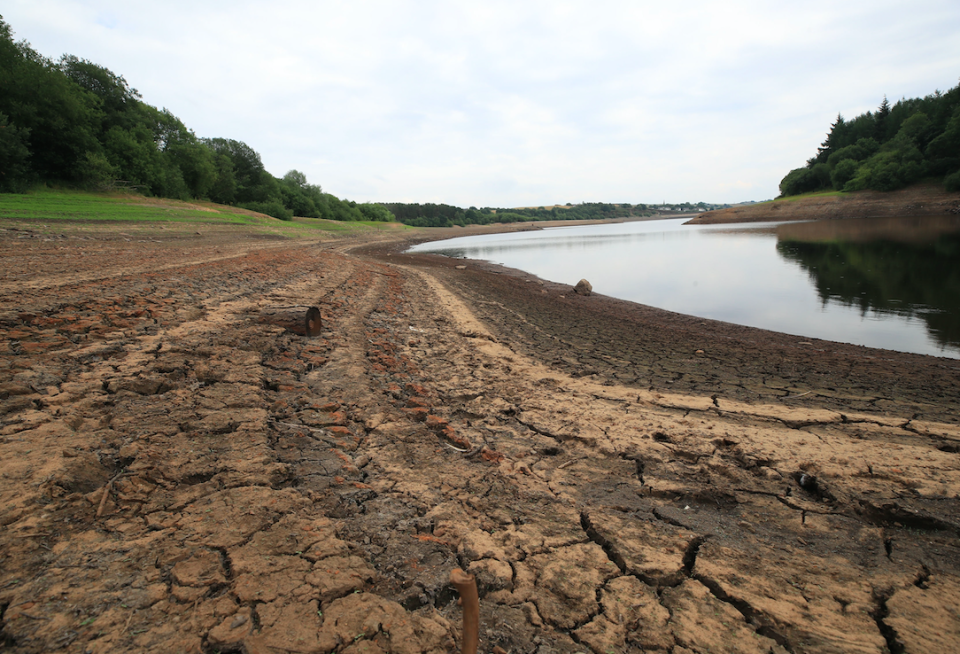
{"x":178,"y":476}
{"x":915,"y":201}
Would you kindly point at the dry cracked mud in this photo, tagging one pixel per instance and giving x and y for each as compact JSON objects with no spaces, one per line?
{"x":177,"y":475}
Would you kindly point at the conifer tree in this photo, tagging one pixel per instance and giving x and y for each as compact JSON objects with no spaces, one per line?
{"x":881,"y":117}
{"x":831,"y":143}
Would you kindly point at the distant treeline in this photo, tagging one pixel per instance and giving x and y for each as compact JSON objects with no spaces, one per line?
{"x":887,"y":149}
{"x":445,"y":215}
{"x":71,"y":122}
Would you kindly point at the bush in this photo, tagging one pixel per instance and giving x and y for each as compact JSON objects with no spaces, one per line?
{"x":886,"y":177}
{"x":843,"y":173}
{"x":859,"y":151}
{"x":272,"y":208}
{"x":94,"y":172}
{"x":943,"y":152}
{"x":806,"y":180}
{"x":952,"y":182}
{"x":337,"y":209}
{"x":378,"y":212}
{"x":298,"y":202}
{"x":879,"y":174}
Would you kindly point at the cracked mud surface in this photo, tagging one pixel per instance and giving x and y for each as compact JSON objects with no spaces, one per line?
{"x":178,"y":476}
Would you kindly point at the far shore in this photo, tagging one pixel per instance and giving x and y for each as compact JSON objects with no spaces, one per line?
{"x":917,"y":200}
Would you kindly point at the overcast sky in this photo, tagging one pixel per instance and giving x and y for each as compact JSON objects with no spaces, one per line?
{"x":516,"y":103}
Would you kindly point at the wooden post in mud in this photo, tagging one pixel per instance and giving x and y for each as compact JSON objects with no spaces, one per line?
{"x":301,"y":320}
{"x":466,"y":585}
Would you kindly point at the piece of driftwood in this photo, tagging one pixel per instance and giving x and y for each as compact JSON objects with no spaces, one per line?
{"x":466,"y":585}
{"x":106,"y":491}
{"x":301,"y":320}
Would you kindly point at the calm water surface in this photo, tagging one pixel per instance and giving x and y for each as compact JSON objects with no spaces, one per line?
{"x":892,"y":284}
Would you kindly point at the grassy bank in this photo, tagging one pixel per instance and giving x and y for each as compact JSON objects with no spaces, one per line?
{"x":58,"y":210}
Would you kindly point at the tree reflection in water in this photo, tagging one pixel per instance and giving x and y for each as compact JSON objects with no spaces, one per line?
{"x":908,"y":267}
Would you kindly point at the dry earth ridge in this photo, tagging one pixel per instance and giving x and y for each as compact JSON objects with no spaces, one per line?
{"x":178,"y":476}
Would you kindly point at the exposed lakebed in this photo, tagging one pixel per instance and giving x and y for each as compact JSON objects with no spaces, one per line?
{"x":890,"y":283}
{"x":179,"y":475}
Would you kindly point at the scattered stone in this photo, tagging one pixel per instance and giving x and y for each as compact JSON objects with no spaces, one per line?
{"x":583,"y":287}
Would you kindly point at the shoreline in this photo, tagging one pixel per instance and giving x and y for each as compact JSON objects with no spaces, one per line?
{"x":581,"y":334}
{"x":516,"y":272}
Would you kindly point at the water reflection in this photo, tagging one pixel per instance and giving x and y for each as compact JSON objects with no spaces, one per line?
{"x":901,"y":267}
{"x":878,"y":283}
{"x":547,"y":240}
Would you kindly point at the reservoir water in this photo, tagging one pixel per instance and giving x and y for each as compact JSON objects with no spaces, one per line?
{"x":886,"y":283}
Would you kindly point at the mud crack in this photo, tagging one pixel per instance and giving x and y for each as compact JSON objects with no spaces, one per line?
{"x":615,"y":557}
{"x":879,"y":615}
{"x":764,"y":625}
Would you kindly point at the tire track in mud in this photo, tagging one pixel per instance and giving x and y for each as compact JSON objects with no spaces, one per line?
{"x":206,"y":496}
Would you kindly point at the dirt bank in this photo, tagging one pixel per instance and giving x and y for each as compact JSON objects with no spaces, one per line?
{"x":919,"y":200}
{"x":176,"y":475}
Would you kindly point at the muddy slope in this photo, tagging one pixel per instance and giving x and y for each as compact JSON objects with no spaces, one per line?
{"x":177,"y":475}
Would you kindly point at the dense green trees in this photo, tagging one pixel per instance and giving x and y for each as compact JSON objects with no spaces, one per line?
{"x":76,"y":123}
{"x":54,"y":118}
{"x":14,"y":155}
{"x":445,"y":215}
{"x":887,"y":149}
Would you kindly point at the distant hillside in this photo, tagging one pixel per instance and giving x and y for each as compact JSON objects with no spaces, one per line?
{"x":929,"y":199}
{"x":888,"y":149}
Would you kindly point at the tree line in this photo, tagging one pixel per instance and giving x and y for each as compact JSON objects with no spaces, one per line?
{"x":75,"y":123}
{"x":887,"y":149}
{"x":445,"y":215}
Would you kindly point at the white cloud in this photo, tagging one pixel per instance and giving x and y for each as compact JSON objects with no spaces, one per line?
{"x":509,"y":104}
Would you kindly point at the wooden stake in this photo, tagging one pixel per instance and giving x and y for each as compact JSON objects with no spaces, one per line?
{"x":466,"y":585}
{"x":301,"y":320}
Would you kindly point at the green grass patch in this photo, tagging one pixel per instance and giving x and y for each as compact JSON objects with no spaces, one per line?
{"x":803,"y":196}
{"x":78,"y":205}
{"x":52,"y":207}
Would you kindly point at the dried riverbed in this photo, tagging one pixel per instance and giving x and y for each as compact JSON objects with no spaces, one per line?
{"x":176,"y":475}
